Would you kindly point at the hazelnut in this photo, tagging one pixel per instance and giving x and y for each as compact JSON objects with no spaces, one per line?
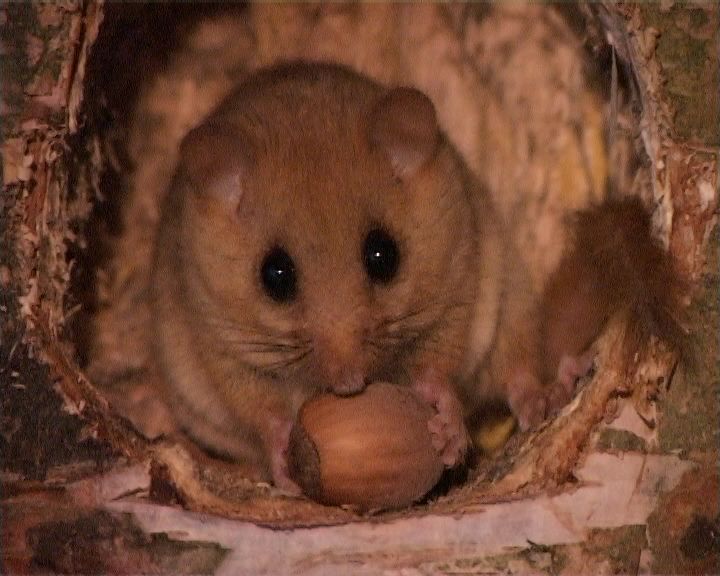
{"x":371,"y":451}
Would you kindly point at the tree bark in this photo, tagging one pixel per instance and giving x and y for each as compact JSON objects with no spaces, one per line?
{"x":625,"y":480}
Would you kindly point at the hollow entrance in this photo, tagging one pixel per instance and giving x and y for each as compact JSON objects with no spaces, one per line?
{"x":533,"y":97}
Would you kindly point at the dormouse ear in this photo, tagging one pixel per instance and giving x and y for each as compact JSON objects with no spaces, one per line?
{"x":216,"y":157}
{"x":404,"y":126}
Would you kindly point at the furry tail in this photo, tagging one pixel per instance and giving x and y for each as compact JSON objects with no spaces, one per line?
{"x":614,"y":265}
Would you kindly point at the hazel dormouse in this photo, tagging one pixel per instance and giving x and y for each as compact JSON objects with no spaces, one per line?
{"x":321,"y":233}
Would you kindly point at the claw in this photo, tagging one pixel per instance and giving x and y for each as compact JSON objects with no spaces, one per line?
{"x":447,"y":429}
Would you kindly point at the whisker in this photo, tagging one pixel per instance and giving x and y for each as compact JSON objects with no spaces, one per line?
{"x":234,"y":327}
{"x":434,"y":308}
{"x":261,"y":350}
{"x":286,"y":363}
{"x":388,"y":322}
{"x":241,"y":336}
{"x":228,"y":324}
{"x":416,"y":324}
{"x":256,"y":345}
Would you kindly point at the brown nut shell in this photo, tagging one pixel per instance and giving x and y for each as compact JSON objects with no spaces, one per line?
{"x":372,"y":450}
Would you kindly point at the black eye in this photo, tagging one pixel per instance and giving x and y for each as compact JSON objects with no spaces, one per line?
{"x":381,"y":256}
{"x":278,"y":275}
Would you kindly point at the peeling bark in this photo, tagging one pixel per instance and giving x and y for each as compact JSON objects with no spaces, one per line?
{"x":624,"y":480}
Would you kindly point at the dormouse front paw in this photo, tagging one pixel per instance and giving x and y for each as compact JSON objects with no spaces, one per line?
{"x":447,"y":428}
{"x":570,"y":370}
{"x":531,"y":401}
{"x":278,"y":448}
{"x":527,"y":399}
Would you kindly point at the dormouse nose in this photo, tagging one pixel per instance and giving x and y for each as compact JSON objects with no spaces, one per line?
{"x":349,"y":381}
{"x":339,"y":358}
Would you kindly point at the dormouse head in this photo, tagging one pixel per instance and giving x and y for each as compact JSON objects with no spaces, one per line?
{"x":327,"y":225}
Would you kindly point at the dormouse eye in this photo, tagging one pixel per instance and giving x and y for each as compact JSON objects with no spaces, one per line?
{"x":381,"y":256}
{"x":277,"y":273}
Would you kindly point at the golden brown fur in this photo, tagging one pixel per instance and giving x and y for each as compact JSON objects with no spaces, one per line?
{"x":613,"y":264}
{"x":239,"y":364}
{"x":310,"y":158}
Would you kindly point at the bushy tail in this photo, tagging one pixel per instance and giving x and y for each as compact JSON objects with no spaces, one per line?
{"x":614,"y":264}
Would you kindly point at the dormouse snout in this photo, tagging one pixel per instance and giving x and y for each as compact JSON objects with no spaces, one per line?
{"x":349,"y":382}
{"x":339,"y":358}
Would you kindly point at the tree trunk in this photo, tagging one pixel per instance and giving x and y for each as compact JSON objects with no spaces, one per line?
{"x":624,"y":480}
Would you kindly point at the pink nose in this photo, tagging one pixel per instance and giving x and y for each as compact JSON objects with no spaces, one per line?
{"x":339,"y":358}
{"x":348,"y":382}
